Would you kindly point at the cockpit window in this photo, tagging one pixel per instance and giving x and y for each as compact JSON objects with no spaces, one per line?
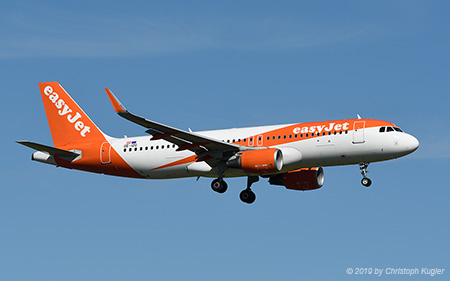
{"x":390,"y":129}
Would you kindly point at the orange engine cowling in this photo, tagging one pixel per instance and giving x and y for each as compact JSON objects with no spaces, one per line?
{"x":303,"y":179}
{"x":260,"y":161}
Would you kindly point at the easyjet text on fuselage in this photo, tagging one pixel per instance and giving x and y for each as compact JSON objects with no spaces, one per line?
{"x":333,"y":126}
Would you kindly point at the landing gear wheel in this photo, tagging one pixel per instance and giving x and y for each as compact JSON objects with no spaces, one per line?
{"x":247,"y":196}
{"x":363,"y":167}
{"x":219,"y":185}
{"x":366,"y":182}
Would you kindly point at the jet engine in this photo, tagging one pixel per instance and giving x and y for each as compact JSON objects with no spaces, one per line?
{"x":303,"y":179}
{"x":260,"y":161}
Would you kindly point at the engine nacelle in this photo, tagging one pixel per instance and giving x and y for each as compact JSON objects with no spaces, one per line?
{"x":260,"y":161}
{"x":303,"y":179}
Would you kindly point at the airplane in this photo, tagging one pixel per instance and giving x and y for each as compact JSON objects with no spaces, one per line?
{"x":289,"y":155}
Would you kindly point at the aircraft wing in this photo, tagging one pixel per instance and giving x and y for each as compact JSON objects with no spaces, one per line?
{"x":203,"y":146}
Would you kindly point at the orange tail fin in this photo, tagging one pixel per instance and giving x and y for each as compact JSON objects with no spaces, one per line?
{"x":68,"y":123}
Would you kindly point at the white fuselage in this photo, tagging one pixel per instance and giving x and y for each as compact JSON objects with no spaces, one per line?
{"x":153,"y":158}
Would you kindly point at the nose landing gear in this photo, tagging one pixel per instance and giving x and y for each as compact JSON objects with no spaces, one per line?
{"x":363,"y":167}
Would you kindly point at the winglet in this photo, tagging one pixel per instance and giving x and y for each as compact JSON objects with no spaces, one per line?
{"x":118,"y":106}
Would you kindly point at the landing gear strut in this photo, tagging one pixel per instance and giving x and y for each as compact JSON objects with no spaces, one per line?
{"x":219,"y":185}
{"x":363,"y":167}
{"x":247,"y":195}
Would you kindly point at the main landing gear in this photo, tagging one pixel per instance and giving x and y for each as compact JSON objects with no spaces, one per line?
{"x":246,"y":196}
{"x":219,"y":185}
{"x":365,"y":180}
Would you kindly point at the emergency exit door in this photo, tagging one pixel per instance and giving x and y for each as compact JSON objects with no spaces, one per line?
{"x":105,"y":153}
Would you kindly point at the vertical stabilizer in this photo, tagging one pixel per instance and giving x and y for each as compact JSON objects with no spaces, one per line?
{"x":68,"y":122}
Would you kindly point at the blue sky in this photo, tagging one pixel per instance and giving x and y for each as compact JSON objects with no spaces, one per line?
{"x":203,"y":65}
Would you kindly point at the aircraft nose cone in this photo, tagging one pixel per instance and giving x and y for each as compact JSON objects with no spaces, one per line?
{"x":411,"y":144}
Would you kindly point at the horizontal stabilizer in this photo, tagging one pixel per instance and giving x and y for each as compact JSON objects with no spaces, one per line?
{"x":51,"y":150}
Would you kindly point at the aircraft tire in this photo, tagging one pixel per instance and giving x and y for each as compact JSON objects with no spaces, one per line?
{"x":219,"y":186}
{"x":366,"y":182}
{"x":247,"y":196}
